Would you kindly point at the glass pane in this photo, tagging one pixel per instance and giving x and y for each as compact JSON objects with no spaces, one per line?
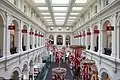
{"x":45,"y":13}
{"x":74,"y":13}
{"x":59,"y":14}
{"x":59,"y":8}
{"x":60,"y":2}
{"x":76,"y":8}
{"x":80,"y":1}
{"x":39,"y":1}
{"x":43,"y":8}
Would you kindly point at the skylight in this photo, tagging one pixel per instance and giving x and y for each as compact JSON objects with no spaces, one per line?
{"x":74,"y":13}
{"x":45,"y":13}
{"x":59,"y":17}
{"x":55,"y":12}
{"x":39,"y":1}
{"x":59,"y":14}
{"x":42,"y":8}
{"x":59,"y":8}
{"x":80,"y":1}
{"x":72,"y":17}
{"x":47,"y":17}
{"x":76,"y":8}
{"x":60,"y":2}
{"x":49,"y":20}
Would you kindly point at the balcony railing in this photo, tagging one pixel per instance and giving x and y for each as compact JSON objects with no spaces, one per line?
{"x":24,"y":48}
{"x":88,"y":47}
{"x":95,"y":49}
{"x":107,"y":51}
{"x":13,"y":50}
{"x":1,"y":54}
{"x":35,"y":45}
{"x":30,"y":46}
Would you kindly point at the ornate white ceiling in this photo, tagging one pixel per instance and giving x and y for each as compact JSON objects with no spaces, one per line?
{"x":59,"y":12}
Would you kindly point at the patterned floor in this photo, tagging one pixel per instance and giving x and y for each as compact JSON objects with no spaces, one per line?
{"x":54,"y":65}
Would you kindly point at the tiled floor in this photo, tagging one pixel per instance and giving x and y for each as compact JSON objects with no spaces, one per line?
{"x":54,"y":65}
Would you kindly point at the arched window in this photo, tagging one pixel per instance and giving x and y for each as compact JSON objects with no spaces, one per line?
{"x":67,"y":40}
{"x":24,"y":38}
{"x":1,"y":36}
{"x":59,"y":40}
{"x":15,"y":75}
{"x":95,"y":38}
{"x":51,"y":37}
{"x":14,"y":37}
{"x":107,"y":38}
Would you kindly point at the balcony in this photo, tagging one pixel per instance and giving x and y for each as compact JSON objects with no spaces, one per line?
{"x":24,"y":48}
{"x":1,"y":54}
{"x":107,"y":51}
{"x":88,"y":47}
{"x":30,"y":46}
{"x":96,"y":49}
{"x":35,"y":45}
{"x":13,"y":50}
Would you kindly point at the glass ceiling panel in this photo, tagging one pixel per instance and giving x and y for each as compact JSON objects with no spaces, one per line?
{"x":74,"y":13}
{"x":45,"y":13}
{"x":60,"y":2}
{"x":60,"y":8}
{"x":59,"y":20}
{"x":49,"y":20}
{"x":76,"y":8}
{"x":60,"y":17}
{"x":70,"y":20}
{"x":72,"y":17}
{"x":39,"y":1}
{"x":47,"y":17}
{"x":59,"y":14}
{"x":80,"y":1}
{"x":42,"y":8}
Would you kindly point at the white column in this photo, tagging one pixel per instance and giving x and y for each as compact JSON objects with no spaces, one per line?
{"x":34,"y":39}
{"x":114,"y":37}
{"x":86,"y":41}
{"x":91,"y":40}
{"x":20,"y":37}
{"x":7,"y":37}
{"x":100,"y":46}
{"x":63,"y":40}
{"x":55,"y":39}
{"x":28,"y":37}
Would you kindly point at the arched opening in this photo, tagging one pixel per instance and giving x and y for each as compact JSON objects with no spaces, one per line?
{"x":15,"y":75}
{"x":105,"y":76}
{"x":24,"y":38}
{"x":51,"y":37}
{"x":67,"y":40}
{"x":31,"y":70}
{"x":59,"y":40}
{"x":107,"y":39}
{"x":95,"y":38}
{"x":1,"y":36}
{"x":88,"y":38}
{"x":14,"y":37}
{"x":36,"y":38}
{"x":31,"y":38}
{"x":25,"y":72}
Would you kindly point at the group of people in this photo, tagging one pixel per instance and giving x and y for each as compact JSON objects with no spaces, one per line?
{"x":58,"y":77}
